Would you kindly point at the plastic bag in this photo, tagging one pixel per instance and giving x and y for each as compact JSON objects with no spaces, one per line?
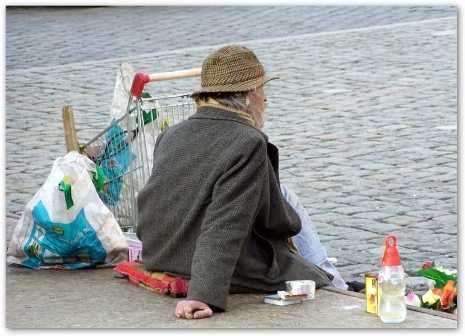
{"x":121,"y":95}
{"x":66,"y":224}
{"x":439,"y":275}
{"x":115,"y":161}
{"x":121,"y":92}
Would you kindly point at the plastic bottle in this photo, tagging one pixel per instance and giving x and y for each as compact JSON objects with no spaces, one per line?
{"x":392,"y":306}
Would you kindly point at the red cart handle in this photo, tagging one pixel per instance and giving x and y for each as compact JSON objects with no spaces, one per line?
{"x":140,"y":79}
{"x":138,"y":83}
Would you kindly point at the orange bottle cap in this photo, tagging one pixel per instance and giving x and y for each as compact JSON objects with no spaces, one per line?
{"x":391,"y":254}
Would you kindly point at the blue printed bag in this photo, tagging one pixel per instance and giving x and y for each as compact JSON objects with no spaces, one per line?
{"x":66,"y":224}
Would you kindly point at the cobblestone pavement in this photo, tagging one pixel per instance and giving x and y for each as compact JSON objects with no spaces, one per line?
{"x":365,"y":118}
{"x":59,"y":36}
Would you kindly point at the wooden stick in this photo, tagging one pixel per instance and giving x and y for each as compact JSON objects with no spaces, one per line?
{"x":72,"y":143}
{"x":174,"y":74}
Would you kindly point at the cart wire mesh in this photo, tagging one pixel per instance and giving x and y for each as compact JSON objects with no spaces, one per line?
{"x":123,"y":152}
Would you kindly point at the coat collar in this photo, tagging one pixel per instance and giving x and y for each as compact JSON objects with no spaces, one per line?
{"x":214,"y":103}
{"x":215,"y":113}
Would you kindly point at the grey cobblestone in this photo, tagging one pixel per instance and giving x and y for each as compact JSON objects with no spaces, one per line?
{"x":362,"y":117}
{"x":382,"y":228}
{"x":143,"y":30}
{"x":372,"y":215}
{"x":350,"y":210}
{"x":402,"y":220}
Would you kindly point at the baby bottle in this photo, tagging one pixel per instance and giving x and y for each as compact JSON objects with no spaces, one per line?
{"x":392,"y":306}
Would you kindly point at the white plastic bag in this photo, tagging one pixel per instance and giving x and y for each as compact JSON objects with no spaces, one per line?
{"x":121,"y":92}
{"x":69,"y":227}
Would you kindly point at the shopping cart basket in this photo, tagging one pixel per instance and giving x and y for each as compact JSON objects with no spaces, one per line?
{"x":123,"y":151}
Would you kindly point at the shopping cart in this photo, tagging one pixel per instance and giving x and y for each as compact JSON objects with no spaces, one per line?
{"x":123,"y":152}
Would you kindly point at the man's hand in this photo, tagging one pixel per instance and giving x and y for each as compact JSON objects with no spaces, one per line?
{"x":192,"y":309}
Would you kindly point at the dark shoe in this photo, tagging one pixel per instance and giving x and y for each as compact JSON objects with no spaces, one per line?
{"x":356,"y":286}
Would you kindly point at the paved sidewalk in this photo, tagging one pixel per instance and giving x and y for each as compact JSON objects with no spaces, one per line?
{"x":56,"y":35}
{"x":95,"y":299}
{"x":365,"y":120}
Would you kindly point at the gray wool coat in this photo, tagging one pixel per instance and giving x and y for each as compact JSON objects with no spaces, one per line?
{"x":212,"y":210}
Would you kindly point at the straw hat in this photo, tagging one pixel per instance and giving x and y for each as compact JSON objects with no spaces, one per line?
{"x":233,"y":68}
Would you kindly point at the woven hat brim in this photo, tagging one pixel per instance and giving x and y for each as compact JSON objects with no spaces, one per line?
{"x":237,"y":87}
